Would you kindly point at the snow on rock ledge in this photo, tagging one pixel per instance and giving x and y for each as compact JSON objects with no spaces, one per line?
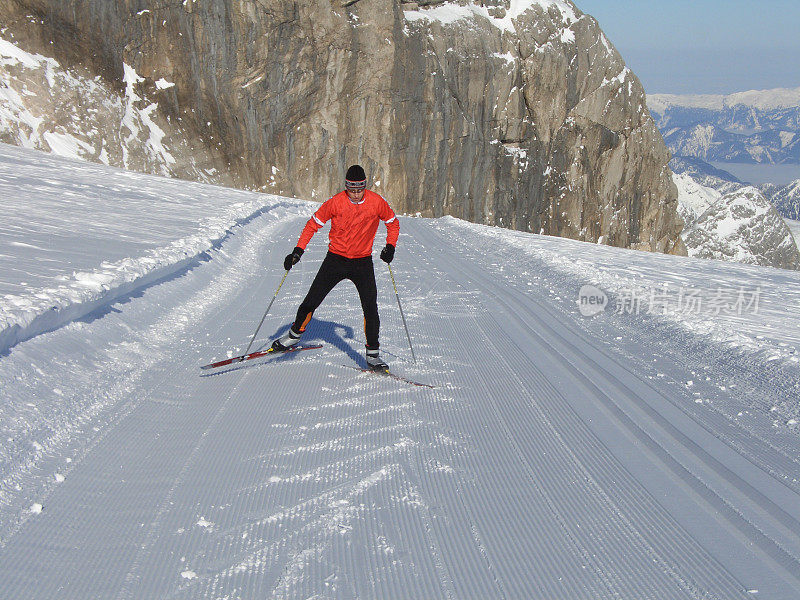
{"x":501,"y":17}
{"x":65,"y":111}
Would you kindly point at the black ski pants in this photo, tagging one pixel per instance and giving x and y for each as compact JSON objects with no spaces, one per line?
{"x":334,"y":269}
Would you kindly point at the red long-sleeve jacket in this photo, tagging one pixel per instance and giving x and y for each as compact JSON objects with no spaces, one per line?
{"x":353,"y":226}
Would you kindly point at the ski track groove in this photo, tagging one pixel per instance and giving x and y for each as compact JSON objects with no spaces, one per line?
{"x":772,"y":549}
{"x":133,"y":577}
{"x":789,"y":523}
{"x":619,"y":513}
{"x":216,"y":410}
{"x":759,"y":500}
{"x":547,"y":488}
{"x":748,"y":441}
{"x":480,"y":382}
{"x":487,"y":287}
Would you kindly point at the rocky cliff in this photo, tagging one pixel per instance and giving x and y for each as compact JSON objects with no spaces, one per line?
{"x":518,"y":113}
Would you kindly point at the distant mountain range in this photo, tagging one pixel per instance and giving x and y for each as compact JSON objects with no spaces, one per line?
{"x":760,"y":127}
{"x":756,"y":127}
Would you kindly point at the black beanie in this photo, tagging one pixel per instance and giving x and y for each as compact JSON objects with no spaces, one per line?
{"x":355,"y":177}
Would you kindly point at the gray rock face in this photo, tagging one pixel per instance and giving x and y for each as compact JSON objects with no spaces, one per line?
{"x":744,"y":228}
{"x":527,"y":119}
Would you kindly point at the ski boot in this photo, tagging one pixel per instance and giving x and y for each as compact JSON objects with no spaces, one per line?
{"x":375,"y":363}
{"x":285,"y":342}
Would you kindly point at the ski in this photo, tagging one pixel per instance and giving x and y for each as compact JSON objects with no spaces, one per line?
{"x":259,"y":354}
{"x":391,"y":375}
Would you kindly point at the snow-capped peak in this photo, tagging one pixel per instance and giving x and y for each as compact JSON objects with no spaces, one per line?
{"x":761,"y":99}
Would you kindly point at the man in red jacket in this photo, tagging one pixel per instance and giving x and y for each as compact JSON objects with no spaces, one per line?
{"x":354,"y":215}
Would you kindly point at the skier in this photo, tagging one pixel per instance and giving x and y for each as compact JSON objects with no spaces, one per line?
{"x":354,"y":214}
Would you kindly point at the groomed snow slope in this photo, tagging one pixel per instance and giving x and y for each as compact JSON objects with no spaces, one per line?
{"x":558,"y":457}
{"x":76,"y":236}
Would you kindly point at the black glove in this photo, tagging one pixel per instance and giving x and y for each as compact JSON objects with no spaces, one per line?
{"x":293,"y":258}
{"x":387,"y":254}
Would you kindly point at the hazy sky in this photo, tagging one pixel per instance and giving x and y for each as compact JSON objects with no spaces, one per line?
{"x":704,"y":46}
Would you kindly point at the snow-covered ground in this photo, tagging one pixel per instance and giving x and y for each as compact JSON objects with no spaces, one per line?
{"x":77,"y":235}
{"x":649,"y":451}
{"x":748,"y":309}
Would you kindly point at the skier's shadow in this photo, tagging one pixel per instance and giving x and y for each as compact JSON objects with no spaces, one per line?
{"x":327,"y":332}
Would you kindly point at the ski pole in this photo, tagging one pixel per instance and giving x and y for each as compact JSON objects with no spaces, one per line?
{"x":246,"y":352}
{"x":401,"y":313}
